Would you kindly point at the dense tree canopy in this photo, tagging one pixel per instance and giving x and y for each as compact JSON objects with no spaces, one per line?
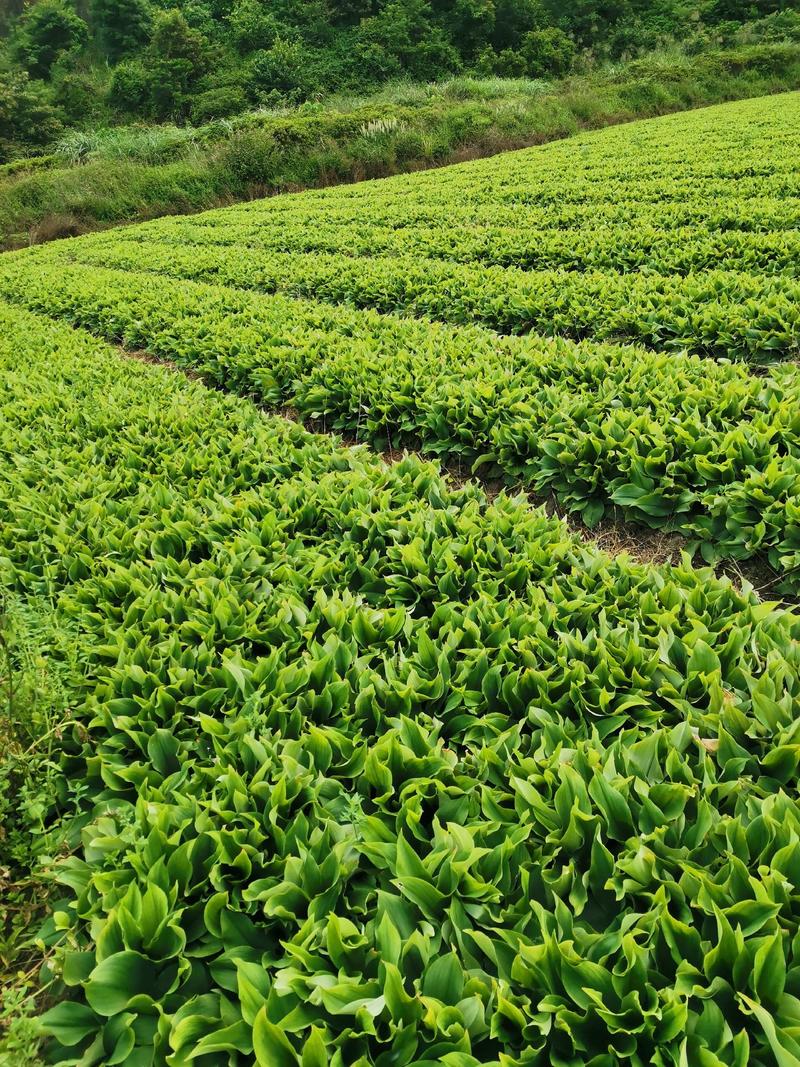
{"x":120,"y":60}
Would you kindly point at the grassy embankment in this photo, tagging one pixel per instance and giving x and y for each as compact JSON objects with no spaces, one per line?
{"x":122,"y":176}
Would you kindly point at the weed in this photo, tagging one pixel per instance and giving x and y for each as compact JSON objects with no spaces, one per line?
{"x":35,"y":660}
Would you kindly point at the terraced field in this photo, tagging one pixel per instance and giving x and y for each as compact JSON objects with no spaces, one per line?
{"x":366,"y":769}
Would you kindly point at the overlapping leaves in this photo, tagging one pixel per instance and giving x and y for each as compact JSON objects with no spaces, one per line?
{"x":705,"y":448}
{"x":379,"y":773}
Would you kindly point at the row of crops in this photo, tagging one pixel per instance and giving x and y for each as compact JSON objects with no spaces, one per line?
{"x":366,"y":768}
{"x":709,"y":448}
{"x":727,"y":314}
{"x":371,"y":771}
{"x":613,"y":319}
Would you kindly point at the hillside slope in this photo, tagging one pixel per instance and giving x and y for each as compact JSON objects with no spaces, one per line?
{"x":661,"y":257}
{"x":329,"y":761}
{"x":96,"y":179}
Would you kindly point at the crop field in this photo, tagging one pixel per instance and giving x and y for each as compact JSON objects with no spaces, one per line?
{"x":613,"y":320}
{"x":366,"y":766}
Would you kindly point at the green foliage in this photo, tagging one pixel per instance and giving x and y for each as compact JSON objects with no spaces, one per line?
{"x":217,"y":104}
{"x":177,"y":56}
{"x":37,"y":664}
{"x":419,"y":125}
{"x":131,"y":85}
{"x":279,"y":72}
{"x":20,"y":1037}
{"x":254,"y":27}
{"x":146,"y":144}
{"x":122,"y":26}
{"x":133,"y":60}
{"x":158,"y":84}
{"x":664,"y":433}
{"x":80,"y":96}
{"x":547,"y":51}
{"x":26,"y":116}
{"x":402,"y":39}
{"x":379,"y":770}
{"x":47,"y":30}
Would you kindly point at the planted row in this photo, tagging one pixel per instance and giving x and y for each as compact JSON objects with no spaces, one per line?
{"x":371,"y":771}
{"x":722,"y":314}
{"x":608,"y":248}
{"x":704,"y":448}
{"x":680,"y":233}
{"x":746,"y":214}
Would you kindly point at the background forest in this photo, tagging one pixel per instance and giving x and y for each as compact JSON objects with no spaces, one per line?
{"x":92,"y":63}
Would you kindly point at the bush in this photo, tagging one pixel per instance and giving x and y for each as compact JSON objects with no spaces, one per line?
{"x":510,"y":64}
{"x":253,"y":28}
{"x":250,"y":157}
{"x":122,"y":25}
{"x":548,"y":52}
{"x":78,"y":94}
{"x":217,"y":104}
{"x":281,"y":69}
{"x":401,"y":40}
{"x":27,"y":118}
{"x":130,"y":87}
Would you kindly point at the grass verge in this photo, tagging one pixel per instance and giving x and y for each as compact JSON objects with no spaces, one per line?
{"x":36,"y":660}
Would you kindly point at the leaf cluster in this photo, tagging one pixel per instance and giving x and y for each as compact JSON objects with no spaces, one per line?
{"x":378,"y":772}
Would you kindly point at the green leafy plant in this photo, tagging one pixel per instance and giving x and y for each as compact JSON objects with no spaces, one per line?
{"x":33,"y":715}
{"x":370,"y":769}
{"x":318,"y":760}
{"x":366,"y":309}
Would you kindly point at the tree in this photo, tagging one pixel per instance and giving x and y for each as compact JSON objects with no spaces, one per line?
{"x":217,"y":103}
{"x":47,"y":30}
{"x":253,"y":26}
{"x":76,"y":92}
{"x":130,"y":87}
{"x":514,"y":18}
{"x":281,"y":69}
{"x":547,"y":52}
{"x":510,"y":64}
{"x":590,"y":22}
{"x":27,"y":118}
{"x":403,"y":39}
{"x":468,"y":23}
{"x":174,"y":40}
{"x":743,"y":10}
{"x":9,"y":10}
{"x":122,"y":26}
{"x":350,"y":12}
{"x":177,"y":56}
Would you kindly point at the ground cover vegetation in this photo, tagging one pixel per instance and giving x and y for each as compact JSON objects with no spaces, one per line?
{"x":100,"y":138}
{"x":311,"y":759}
{"x":364,"y":769}
{"x":611,"y":319}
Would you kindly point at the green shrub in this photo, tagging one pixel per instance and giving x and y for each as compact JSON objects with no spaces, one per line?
{"x":47,"y":30}
{"x":217,"y":104}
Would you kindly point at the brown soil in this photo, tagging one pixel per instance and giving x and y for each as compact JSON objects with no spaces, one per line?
{"x":142,"y":356}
